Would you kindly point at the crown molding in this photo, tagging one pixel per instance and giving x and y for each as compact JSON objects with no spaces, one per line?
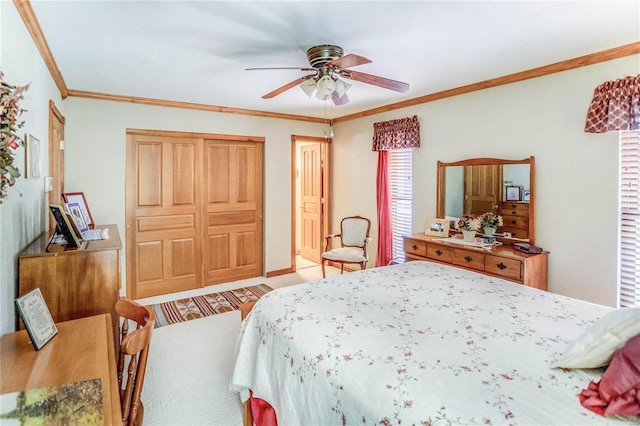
{"x":582,"y":61}
{"x":31,"y":22}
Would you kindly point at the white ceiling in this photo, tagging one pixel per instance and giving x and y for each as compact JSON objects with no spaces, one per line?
{"x":197,"y":51}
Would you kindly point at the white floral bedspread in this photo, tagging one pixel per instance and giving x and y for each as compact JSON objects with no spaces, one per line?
{"x":415,"y":344}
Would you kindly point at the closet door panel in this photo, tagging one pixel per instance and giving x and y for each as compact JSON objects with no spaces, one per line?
{"x":233,"y":172}
{"x":165,"y":230}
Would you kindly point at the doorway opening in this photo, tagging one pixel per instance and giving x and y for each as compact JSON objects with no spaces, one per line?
{"x":310,"y":193}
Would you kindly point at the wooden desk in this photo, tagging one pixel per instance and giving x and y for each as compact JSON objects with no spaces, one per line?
{"x":74,"y":283}
{"x":82,"y":350}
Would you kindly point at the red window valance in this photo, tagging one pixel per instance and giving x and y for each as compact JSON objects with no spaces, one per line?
{"x":615,"y":106}
{"x":396,"y":134}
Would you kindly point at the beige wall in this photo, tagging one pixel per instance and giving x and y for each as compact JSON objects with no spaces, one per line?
{"x":576,"y":172}
{"x":23,"y":215}
{"x":95,"y":159}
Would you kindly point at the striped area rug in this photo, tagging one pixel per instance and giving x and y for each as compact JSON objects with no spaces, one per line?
{"x":191,"y":308}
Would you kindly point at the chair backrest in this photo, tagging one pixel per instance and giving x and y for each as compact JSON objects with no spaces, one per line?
{"x":134,"y":350}
{"x":354,"y":230}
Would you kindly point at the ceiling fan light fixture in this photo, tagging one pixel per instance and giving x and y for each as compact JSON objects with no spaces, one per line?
{"x":322,"y":96}
{"x":326,"y":85}
{"x":308,"y":87}
{"x":341,"y":88}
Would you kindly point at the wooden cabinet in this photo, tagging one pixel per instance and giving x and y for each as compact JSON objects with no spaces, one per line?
{"x":499,"y":261}
{"x":74,"y":283}
{"x":515,"y":218}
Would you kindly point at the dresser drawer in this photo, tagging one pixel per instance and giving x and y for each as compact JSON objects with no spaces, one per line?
{"x":508,"y":268}
{"x":469,"y":259}
{"x":515,"y":221}
{"x":415,"y":247}
{"x":514,"y":209}
{"x":443,"y":254}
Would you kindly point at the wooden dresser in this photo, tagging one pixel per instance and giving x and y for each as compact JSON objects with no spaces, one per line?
{"x":515,"y":217}
{"x":74,"y":283}
{"x":500,"y":261}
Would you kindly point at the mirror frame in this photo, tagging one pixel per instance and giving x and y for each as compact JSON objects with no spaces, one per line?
{"x":440,"y":190}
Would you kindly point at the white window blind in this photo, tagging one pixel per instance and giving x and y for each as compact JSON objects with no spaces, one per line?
{"x":629,"y":218}
{"x":401,"y":193}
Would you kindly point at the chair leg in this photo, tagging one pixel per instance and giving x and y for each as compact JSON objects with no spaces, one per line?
{"x":323,"y":273}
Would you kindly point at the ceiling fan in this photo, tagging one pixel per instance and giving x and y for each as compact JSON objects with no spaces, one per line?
{"x":328,"y":62}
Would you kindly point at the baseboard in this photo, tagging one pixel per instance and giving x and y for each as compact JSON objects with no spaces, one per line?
{"x":279,"y":272}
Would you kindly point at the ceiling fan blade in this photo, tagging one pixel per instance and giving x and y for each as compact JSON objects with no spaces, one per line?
{"x":339,"y":100}
{"x":349,"y":60}
{"x":387,"y":83}
{"x":281,"y":68}
{"x":287,"y":86}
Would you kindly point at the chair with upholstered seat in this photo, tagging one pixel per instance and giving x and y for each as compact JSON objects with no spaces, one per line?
{"x":134,"y":350}
{"x":354,"y":236}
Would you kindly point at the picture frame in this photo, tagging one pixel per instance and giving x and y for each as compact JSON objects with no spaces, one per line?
{"x":33,"y":163}
{"x":437,"y":227}
{"x":75,"y":211}
{"x":526,"y":195}
{"x":512,"y":193}
{"x":36,"y":317}
{"x":78,"y":197}
{"x":64,"y":226}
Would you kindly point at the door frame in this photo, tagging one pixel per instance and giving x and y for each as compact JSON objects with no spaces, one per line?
{"x":296,"y":140}
{"x":56,"y":161}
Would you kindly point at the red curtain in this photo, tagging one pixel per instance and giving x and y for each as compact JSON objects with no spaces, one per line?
{"x":388,"y":135}
{"x":384,"y":254}
{"x":615,"y":106}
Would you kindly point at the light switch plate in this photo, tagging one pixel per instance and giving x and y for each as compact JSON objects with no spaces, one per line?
{"x":48,"y":184}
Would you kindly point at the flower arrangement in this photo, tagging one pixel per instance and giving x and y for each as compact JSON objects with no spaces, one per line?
{"x":468,"y":222}
{"x":490,"y":219}
{"x":10,"y":97}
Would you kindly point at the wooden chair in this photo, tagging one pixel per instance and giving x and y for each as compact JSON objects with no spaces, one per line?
{"x":354,"y":236}
{"x":134,"y":349}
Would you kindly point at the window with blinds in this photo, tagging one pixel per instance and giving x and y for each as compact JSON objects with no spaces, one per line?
{"x":629,"y":218}
{"x":400,"y":191}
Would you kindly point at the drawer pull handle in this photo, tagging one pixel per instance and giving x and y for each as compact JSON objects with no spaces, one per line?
{"x":514,"y":212}
{"x":513,"y":222}
{"x":502,"y":266}
{"x":415,"y":247}
{"x":468,"y":258}
{"x":439,"y":252}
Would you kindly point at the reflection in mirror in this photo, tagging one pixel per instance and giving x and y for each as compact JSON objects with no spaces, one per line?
{"x":480,"y":185}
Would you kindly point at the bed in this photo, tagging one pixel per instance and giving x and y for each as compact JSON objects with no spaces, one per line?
{"x":416,"y":344}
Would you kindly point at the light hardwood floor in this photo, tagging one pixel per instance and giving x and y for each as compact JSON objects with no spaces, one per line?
{"x":190,"y":364}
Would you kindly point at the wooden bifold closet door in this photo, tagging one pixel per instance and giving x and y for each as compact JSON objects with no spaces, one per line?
{"x":193,"y":211}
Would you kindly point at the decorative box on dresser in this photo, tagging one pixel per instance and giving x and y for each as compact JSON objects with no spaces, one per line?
{"x":74,"y":283}
{"x":499,"y":261}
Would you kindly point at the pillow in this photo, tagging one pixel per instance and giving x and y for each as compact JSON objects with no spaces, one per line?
{"x":618,"y":391}
{"x":595,"y":346}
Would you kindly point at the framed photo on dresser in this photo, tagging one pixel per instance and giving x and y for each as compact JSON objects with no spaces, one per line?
{"x":513,"y":193}
{"x":36,"y":317}
{"x":81,"y":202}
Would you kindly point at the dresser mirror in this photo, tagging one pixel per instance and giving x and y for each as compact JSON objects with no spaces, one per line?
{"x":479,"y":185}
